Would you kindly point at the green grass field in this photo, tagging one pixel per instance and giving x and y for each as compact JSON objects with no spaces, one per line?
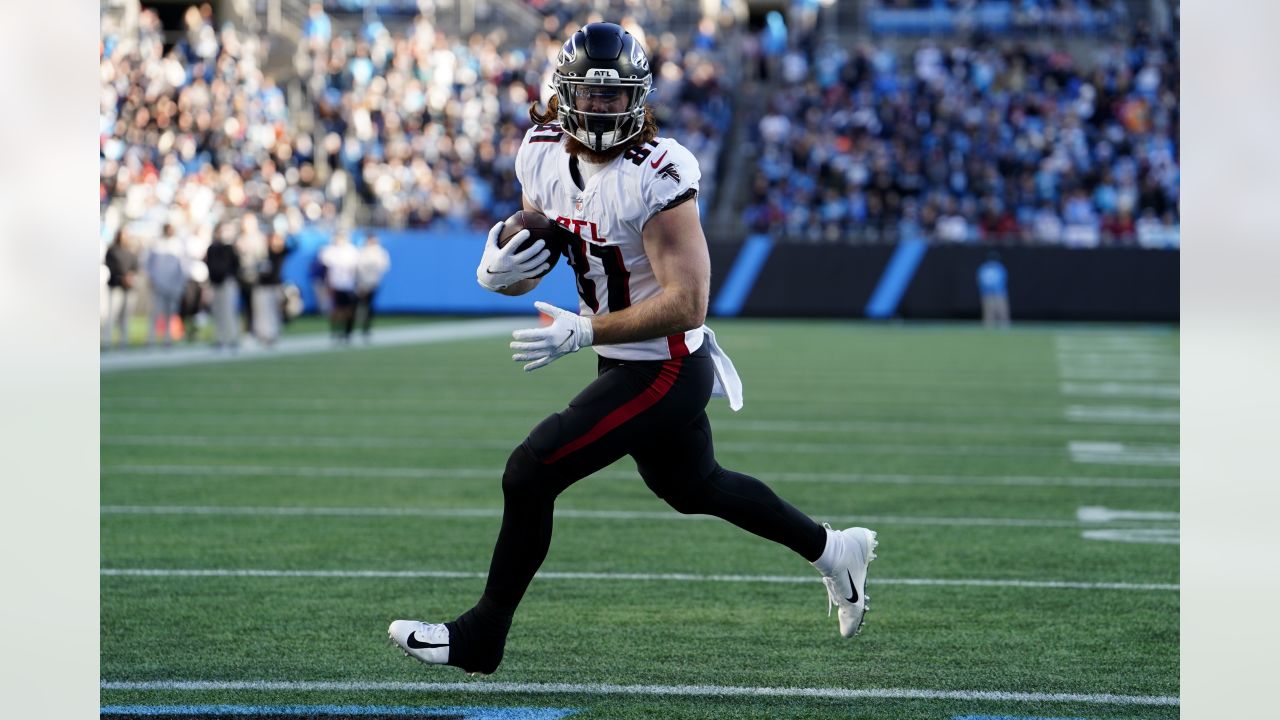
{"x":364,"y":486}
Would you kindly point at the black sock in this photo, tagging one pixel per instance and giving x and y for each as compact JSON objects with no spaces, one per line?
{"x":478,"y":637}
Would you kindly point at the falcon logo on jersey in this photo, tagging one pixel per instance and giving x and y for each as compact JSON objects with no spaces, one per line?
{"x":577,"y":226}
{"x":669,"y":171}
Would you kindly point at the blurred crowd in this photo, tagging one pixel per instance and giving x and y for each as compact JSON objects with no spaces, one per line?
{"x":984,"y":142}
{"x":394,"y":122}
{"x":1060,"y":14}
{"x":427,"y":124}
{"x":199,"y":147}
{"x":197,"y":151}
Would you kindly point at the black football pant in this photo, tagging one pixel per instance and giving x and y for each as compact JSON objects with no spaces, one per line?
{"x":654,"y":411}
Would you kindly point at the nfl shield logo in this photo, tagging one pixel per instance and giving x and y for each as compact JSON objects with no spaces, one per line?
{"x":577,"y":204}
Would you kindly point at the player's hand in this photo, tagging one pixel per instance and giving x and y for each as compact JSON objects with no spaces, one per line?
{"x":568,"y":332}
{"x":501,"y":267}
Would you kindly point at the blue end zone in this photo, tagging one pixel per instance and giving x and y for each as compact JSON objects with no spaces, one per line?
{"x":897,"y":276}
{"x":742,"y":276}
{"x":336,"y":712}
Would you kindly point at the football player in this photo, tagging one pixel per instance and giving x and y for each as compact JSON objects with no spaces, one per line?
{"x":594,"y":162}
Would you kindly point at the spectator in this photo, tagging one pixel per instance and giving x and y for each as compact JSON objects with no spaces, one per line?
{"x":122,"y":264}
{"x":268,"y":295}
{"x":320,"y":285}
{"x":1118,"y":227}
{"x":1047,"y":226}
{"x":340,"y":260}
{"x":223,"y":264}
{"x":194,"y":301}
{"x":251,"y":248}
{"x":167,"y":276}
{"x":318,"y":29}
{"x":993,"y":289}
{"x":371,"y":267}
{"x":1158,"y":232}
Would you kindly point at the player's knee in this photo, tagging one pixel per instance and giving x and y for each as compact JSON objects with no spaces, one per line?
{"x":687,"y":502}
{"x":689,"y":494}
{"x":522,"y":477}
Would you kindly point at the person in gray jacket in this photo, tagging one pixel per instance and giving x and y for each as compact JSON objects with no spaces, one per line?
{"x":167,"y":275}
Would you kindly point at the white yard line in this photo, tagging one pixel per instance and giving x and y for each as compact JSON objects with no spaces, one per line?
{"x":1096,"y":514}
{"x":1118,"y":374}
{"x":627,"y":577}
{"x":1142,"y":536}
{"x":1163,"y":391}
{"x":308,"y":345}
{"x":424,"y":473}
{"x":1083,"y":358}
{"x":1096,"y":414}
{"x":621,"y":515}
{"x":486,"y":687}
{"x":1114,"y":453}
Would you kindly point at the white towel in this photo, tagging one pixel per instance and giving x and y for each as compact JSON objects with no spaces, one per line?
{"x":727,"y":383}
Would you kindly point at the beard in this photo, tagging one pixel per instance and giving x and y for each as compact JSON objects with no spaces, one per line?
{"x":576,"y":148}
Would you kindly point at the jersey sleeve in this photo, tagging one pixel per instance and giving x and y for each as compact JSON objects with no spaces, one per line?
{"x":670,"y":172}
{"x":532,"y":152}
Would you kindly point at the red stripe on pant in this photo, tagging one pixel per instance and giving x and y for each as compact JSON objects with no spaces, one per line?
{"x":656,"y":391}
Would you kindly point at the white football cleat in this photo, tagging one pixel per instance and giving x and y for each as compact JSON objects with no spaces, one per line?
{"x":423,"y":641}
{"x":847,"y":583}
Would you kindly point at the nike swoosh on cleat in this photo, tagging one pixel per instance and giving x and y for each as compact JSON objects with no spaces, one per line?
{"x":658,"y":162}
{"x":417,"y":644}
{"x":853,"y":588}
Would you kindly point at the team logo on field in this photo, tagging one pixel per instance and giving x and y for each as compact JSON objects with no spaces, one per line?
{"x":669,"y":171}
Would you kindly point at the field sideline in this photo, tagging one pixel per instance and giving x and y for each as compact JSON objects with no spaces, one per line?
{"x":263,"y":520}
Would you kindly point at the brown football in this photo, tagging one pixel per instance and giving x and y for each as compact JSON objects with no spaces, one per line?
{"x":540,"y":227}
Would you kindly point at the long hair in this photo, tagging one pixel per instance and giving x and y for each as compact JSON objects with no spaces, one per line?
{"x":552,"y":114}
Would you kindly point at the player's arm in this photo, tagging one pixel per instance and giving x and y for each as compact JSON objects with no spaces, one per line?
{"x":677,"y":252}
{"x":523,"y":286}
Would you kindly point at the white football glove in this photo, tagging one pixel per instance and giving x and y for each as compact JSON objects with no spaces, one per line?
{"x":501,"y":267}
{"x":569,"y":332}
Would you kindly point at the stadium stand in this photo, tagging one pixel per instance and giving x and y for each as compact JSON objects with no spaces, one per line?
{"x":1057,"y":125}
{"x":418,"y":126}
{"x":959,"y":141}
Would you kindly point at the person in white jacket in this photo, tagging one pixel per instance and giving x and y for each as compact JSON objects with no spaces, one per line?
{"x":340,"y":259}
{"x":371,"y":266}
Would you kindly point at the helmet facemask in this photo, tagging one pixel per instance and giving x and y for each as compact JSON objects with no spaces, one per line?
{"x":602,"y":110}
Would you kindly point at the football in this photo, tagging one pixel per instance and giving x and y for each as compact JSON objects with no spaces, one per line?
{"x":540,"y":227}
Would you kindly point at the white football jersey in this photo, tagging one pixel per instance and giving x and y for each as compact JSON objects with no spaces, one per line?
{"x":607,"y":216}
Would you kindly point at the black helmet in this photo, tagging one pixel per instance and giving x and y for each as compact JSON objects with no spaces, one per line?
{"x":602,"y":79}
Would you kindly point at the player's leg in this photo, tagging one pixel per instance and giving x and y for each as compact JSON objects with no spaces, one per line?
{"x":680,"y":467}
{"x":628,"y":401}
